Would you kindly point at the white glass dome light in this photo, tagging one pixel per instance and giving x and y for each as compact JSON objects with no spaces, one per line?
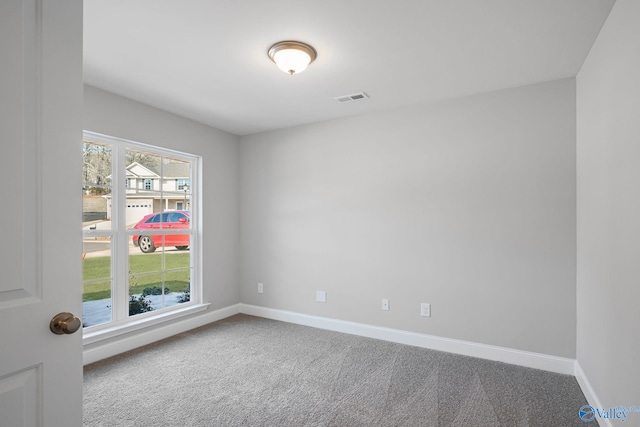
{"x":292,"y":57}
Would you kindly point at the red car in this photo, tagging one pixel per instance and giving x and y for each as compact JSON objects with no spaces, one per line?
{"x":168,"y":220}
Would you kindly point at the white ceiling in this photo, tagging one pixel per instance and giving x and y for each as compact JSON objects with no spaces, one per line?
{"x":207,"y":59}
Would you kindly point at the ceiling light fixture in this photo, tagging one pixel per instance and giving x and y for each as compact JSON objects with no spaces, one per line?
{"x":292,"y":57}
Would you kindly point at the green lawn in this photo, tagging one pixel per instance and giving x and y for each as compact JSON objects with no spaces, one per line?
{"x":145,"y":271}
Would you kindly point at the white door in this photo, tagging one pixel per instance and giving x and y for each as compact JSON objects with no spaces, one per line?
{"x":40,"y":179}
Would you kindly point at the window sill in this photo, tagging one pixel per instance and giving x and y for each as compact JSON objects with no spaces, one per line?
{"x":136,"y":325}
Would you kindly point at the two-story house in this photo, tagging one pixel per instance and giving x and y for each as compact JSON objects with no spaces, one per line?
{"x":154,"y":189}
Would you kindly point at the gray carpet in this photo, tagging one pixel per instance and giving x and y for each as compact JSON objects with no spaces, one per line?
{"x":248,"y":371}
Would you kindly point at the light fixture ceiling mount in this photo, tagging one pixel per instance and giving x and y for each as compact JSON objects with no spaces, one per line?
{"x":292,"y":57}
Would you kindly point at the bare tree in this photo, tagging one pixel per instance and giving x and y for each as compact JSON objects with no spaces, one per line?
{"x":96,"y":168}
{"x":147,"y":160}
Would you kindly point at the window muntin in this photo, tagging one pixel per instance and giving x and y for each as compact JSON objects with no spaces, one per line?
{"x":140,"y":284}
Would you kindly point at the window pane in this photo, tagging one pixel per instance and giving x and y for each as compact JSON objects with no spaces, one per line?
{"x":96,"y":185}
{"x":158,"y":280}
{"x":146,"y":277}
{"x":140,"y":262}
{"x":180,"y":284}
{"x":144,"y":194}
{"x":177,"y":260}
{"x":142,"y":287}
{"x":96,"y":281}
{"x":178,"y":277}
{"x":175,"y":178}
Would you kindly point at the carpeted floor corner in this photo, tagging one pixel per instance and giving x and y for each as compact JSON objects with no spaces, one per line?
{"x":249,"y":371}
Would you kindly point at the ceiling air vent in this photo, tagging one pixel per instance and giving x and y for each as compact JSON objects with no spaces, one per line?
{"x":350,"y":98}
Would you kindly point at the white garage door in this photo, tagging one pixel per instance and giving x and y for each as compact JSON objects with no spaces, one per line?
{"x":138,"y":208}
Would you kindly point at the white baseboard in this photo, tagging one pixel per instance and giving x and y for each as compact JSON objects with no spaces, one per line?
{"x":110,"y":347}
{"x":528,"y":359}
{"x":590,"y":394}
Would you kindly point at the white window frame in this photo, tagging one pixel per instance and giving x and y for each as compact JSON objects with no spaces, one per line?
{"x":120,"y":236}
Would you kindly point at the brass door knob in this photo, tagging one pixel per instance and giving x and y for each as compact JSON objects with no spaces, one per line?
{"x":64,"y":323}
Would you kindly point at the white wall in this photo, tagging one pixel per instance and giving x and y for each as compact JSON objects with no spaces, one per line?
{"x":113,"y":115}
{"x":608,"y":210}
{"x":468,"y":205}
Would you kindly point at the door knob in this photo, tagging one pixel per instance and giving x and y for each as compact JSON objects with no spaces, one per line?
{"x":64,"y":323}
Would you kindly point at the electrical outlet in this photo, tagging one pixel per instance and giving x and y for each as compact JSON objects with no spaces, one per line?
{"x":260,"y":288}
{"x":425,"y":309}
{"x":321,"y":296}
{"x":385,"y":304}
